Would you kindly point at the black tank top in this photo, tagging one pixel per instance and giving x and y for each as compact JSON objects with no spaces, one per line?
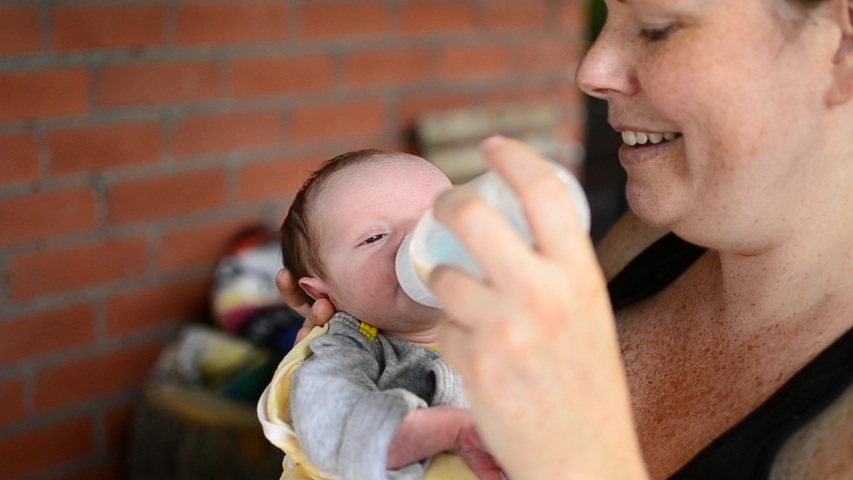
{"x":748,"y":449}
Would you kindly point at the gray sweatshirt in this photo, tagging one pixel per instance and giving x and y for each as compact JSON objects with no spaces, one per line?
{"x":349,"y":398}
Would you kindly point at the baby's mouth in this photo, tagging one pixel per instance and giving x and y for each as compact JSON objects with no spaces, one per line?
{"x":632,"y":138}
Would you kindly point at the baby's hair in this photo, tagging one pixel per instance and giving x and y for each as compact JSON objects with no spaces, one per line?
{"x":299,"y":236}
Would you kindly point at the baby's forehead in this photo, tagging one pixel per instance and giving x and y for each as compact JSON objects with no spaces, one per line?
{"x":378,"y":173}
{"x":360,"y":191}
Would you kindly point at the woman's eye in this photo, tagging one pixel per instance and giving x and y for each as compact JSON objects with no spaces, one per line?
{"x":656,"y":34}
{"x":374,"y":238}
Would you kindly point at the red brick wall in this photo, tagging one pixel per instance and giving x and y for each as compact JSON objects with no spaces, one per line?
{"x":135,"y":137}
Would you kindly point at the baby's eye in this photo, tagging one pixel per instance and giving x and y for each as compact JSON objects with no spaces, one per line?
{"x":374,"y":238}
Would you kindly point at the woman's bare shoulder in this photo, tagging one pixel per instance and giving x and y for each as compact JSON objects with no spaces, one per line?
{"x":625,"y":240}
{"x":823,"y":449}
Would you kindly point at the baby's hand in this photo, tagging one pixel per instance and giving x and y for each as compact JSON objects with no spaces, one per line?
{"x":470,"y":447}
{"x":426,"y":432}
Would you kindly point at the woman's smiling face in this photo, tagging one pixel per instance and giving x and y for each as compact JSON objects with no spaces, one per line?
{"x":708,"y":95}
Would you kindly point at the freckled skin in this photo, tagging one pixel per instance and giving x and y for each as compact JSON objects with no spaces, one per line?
{"x":716,"y":81}
{"x":751,"y":180}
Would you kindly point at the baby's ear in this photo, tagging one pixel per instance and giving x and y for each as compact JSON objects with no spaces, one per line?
{"x":842,"y":90}
{"x":314,"y":287}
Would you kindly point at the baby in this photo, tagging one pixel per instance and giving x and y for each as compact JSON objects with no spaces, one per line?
{"x":374,"y":400}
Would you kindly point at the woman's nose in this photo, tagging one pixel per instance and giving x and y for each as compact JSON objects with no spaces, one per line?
{"x":607,"y":70}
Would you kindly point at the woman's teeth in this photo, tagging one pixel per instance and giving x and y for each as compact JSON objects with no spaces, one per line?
{"x":641,"y":138}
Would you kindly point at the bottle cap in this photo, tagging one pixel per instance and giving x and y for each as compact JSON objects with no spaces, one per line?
{"x":409,"y":279}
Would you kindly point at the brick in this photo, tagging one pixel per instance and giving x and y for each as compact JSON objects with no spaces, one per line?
{"x":267,"y":76}
{"x":437,"y":17}
{"x":414,"y":106}
{"x":84,"y":27}
{"x":338,"y":120}
{"x":45,"y":448}
{"x":569,"y":95}
{"x":19,"y":29}
{"x":573,"y":16}
{"x":387,"y":68}
{"x":154,"y":83}
{"x":275,"y":180}
{"x":93,"y":149}
{"x":117,"y":422}
{"x":155,"y":307}
{"x":107,"y":468}
{"x":548,"y":55}
{"x":12,"y":407}
{"x":70,"y":269}
{"x":337,"y":19}
{"x":165,"y":196}
{"x":225,"y":132}
{"x":78,"y":381}
{"x":46,"y":332}
{"x":226,"y":23}
{"x":27,"y":218}
{"x":43,"y":93}
{"x":524,"y":94}
{"x":575,"y":131}
{"x":474,"y":61}
{"x":515,"y":15}
{"x":198,"y":246}
{"x":20,"y":158}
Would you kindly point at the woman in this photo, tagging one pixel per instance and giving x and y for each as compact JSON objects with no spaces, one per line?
{"x":737,"y":117}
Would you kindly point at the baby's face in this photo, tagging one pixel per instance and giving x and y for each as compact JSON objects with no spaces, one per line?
{"x":362,"y":220}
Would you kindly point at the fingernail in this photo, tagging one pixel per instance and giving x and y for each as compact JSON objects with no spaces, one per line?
{"x":491,"y":143}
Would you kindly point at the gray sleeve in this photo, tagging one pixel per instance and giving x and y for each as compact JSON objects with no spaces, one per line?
{"x":344,"y":423}
{"x":448,"y":386}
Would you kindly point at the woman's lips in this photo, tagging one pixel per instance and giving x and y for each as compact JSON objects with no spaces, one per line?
{"x":638,"y":153}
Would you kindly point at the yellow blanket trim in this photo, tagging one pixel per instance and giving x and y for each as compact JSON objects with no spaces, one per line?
{"x":275,"y":406}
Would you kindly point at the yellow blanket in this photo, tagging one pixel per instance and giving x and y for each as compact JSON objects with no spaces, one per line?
{"x":273,"y":412}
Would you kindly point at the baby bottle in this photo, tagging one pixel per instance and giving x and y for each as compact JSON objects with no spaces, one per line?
{"x":431,"y":243}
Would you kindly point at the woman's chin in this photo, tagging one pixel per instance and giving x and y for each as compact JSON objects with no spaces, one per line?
{"x":655,"y":208}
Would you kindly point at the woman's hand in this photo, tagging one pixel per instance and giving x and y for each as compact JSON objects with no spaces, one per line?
{"x":316,"y":315}
{"x":536,"y":343}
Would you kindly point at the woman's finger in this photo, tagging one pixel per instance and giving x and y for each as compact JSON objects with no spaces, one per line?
{"x":462,"y":296}
{"x":493,"y":243}
{"x":293,"y":296}
{"x":316,"y":314}
{"x":321,"y":312}
{"x":547,"y":203}
{"x":455,"y":341}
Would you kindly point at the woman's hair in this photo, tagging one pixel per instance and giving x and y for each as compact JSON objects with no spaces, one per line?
{"x":300,"y":238}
